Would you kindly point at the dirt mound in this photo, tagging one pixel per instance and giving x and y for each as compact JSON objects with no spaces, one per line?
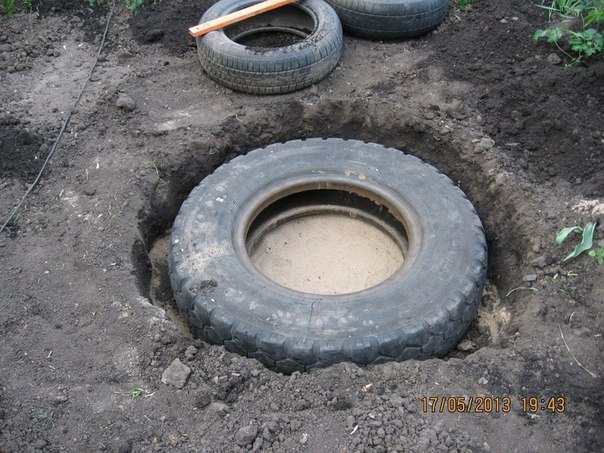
{"x":549,"y":116}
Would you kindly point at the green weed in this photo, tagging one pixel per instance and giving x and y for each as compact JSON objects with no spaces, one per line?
{"x":521,"y":288}
{"x":153,"y":164}
{"x":7,"y":8}
{"x":595,"y":16}
{"x":132,"y":5}
{"x":567,"y":8}
{"x":598,"y":254}
{"x":588,"y":40}
{"x":465,"y":2}
{"x":137,"y":392}
{"x":586,"y":43}
{"x":47,"y":416}
{"x":587,"y":237}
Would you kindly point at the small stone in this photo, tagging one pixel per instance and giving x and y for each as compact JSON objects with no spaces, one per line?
{"x":126,"y":447}
{"x":125,"y":55}
{"x":342,"y":403}
{"x":60,"y":398}
{"x":217,"y":408}
{"x":154,"y":35}
{"x":204,"y":398}
{"x":90,"y":191}
{"x":530,"y":277}
{"x":258,"y":444}
{"x":176,"y":374}
{"x":536,"y":245}
{"x":246,"y":435}
{"x":303,"y":439}
{"x":396,"y":401}
{"x":39,"y":444}
{"x":483,"y":145}
{"x":542,"y":261}
{"x":483,"y":381}
{"x":467,"y":346}
{"x":553,"y":59}
{"x":125,"y":102}
{"x":190,"y":353}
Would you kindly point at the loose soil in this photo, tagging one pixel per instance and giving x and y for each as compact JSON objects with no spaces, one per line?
{"x":89,"y":328}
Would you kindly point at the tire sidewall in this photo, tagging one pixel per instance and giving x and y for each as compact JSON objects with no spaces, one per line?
{"x":323,"y":15}
{"x":390,"y":19}
{"x":418,"y":312}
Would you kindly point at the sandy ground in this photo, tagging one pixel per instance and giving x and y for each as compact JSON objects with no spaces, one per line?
{"x":94,"y":356}
{"x":327,"y":254}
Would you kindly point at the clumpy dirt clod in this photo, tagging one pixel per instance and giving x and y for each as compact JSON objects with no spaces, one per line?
{"x":88,"y":325}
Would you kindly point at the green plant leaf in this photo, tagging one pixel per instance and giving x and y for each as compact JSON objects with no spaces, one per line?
{"x":552,"y":34}
{"x":539,"y":34}
{"x":562,"y":235}
{"x":136,"y":392}
{"x":586,"y":242}
{"x":595,"y":15}
{"x":588,"y":42}
{"x":598,"y":254}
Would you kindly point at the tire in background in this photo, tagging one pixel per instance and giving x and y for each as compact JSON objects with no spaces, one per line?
{"x":272,"y":70}
{"x":390,"y":19}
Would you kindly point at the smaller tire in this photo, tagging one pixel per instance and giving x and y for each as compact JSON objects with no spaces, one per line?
{"x":262,"y":68}
{"x":390,"y":19}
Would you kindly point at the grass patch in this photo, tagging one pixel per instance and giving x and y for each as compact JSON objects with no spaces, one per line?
{"x":7,"y":8}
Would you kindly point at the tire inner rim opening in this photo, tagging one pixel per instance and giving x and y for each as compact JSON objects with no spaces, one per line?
{"x":326,"y":242}
{"x":276,"y":28}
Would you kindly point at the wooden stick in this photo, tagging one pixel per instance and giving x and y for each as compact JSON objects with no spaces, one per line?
{"x":237,"y":16}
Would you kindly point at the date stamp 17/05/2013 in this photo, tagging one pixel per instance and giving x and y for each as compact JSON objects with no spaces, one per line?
{"x":493,"y":404}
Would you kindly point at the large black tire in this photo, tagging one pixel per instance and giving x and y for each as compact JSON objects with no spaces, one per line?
{"x":420,"y":311}
{"x":390,"y":19}
{"x":272,"y":70}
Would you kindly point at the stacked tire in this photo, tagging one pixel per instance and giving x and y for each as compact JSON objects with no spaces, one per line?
{"x":390,"y":19}
{"x":273,"y":70}
{"x":286,"y":68}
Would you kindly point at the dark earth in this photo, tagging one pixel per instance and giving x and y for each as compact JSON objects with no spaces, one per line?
{"x":94,"y":356}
